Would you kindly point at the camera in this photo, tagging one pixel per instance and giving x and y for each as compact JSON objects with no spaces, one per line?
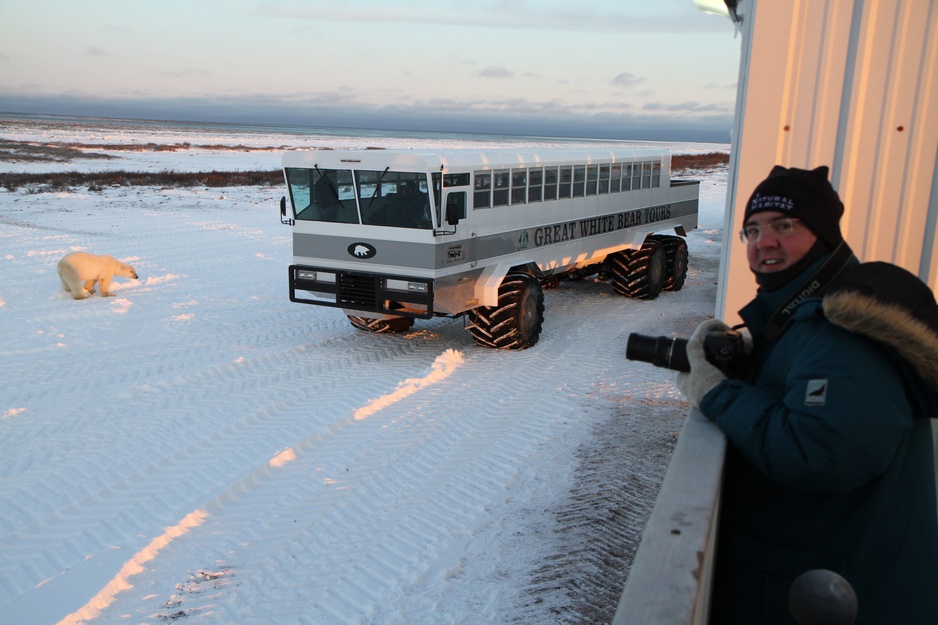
{"x":724,"y":349}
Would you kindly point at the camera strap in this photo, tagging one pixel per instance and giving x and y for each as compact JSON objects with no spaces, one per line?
{"x":813,"y":286}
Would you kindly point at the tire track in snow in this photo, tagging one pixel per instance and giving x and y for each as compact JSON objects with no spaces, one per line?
{"x":426,"y":501}
{"x":442,"y":368}
{"x":412,"y":550}
{"x":99,"y":494}
{"x":598,"y":527}
{"x":90,"y":520}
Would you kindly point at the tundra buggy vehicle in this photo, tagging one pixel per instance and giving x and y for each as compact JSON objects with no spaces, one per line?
{"x":390,"y":236}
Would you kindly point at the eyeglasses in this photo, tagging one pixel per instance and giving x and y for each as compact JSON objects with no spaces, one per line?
{"x":780,"y":227}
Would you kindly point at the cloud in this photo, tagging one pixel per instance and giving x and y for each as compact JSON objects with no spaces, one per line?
{"x":690,"y":106}
{"x":493,"y":71}
{"x":689,"y":121}
{"x":96,"y":51}
{"x":717,"y":86}
{"x":621,"y":17}
{"x":626,"y":79}
{"x":186,"y":73}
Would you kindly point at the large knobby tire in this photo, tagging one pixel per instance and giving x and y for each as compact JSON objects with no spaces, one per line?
{"x":394,"y":325}
{"x":640,"y":274}
{"x":515,"y":323}
{"x":676,"y":250}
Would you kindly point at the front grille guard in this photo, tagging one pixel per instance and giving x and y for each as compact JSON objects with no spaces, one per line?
{"x":365,"y":292}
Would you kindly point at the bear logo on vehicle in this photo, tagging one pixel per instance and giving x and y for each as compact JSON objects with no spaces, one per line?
{"x":523,"y":241}
{"x":362,"y":250}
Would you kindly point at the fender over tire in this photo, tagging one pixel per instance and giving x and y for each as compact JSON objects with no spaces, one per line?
{"x":515,"y":323}
{"x":640,"y":274}
{"x":382,"y":326}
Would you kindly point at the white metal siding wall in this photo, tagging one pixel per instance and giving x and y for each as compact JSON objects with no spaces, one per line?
{"x":852,"y":84}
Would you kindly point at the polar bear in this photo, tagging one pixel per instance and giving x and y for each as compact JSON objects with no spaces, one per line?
{"x":79,"y":271}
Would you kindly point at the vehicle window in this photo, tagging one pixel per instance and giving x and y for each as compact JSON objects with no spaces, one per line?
{"x":566,"y":182}
{"x":299,"y":187}
{"x":604,"y":178}
{"x":368,"y":188}
{"x":500,"y":186}
{"x":329,"y":194}
{"x":519,"y":186}
{"x":550,"y":183}
{"x":535,"y":182}
{"x":456,"y":200}
{"x":579,"y":180}
{"x":437,"y":180}
{"x":482,"y":196}
{"x":592,"y":176}
{"x":456,"y":180}
{"x":396,"y":199}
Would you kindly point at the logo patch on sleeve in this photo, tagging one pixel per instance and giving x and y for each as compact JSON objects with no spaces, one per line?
{"x":815,"y":393}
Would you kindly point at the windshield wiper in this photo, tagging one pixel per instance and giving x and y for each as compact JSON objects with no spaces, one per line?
{"x":378,"y":186}
{"x":332,"y":187}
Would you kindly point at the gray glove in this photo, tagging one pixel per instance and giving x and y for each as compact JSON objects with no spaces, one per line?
{"x":703,"y":376}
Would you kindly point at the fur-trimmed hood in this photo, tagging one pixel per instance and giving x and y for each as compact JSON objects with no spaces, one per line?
{"x":890,"y":305}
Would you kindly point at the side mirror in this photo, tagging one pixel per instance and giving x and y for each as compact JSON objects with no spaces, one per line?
{"x":283,"y":212}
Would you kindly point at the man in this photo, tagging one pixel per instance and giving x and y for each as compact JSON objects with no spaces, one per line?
{"x":830,"y":456}
{"x":409,"y":208}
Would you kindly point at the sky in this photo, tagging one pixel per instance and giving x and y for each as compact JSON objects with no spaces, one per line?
{"x":618,"y":69}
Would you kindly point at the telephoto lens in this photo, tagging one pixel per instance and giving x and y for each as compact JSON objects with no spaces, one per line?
{"x":661,"y":351}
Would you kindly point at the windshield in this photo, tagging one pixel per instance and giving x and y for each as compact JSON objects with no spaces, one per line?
{"x":375,"y":198}
{"x":323,"y":195}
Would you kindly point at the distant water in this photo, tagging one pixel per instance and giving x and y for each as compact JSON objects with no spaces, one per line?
{"x":221,"y":128}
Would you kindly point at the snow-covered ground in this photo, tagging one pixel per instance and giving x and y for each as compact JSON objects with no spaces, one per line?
{"x":197,"y":449}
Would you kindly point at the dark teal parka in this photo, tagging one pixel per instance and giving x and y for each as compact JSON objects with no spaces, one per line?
{"x":830,"y":460}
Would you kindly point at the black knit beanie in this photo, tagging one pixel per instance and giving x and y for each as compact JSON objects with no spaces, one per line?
{"x":804,"y":194}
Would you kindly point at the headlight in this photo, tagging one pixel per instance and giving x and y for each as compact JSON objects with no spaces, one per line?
{"x":404,"y":285}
